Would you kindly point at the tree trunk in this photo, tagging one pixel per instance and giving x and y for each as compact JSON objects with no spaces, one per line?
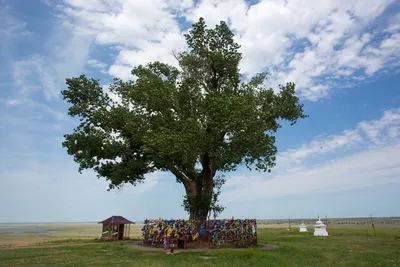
{"x":199,"y":196}
{"x":199,"y":189}
{"x":198,"y":215}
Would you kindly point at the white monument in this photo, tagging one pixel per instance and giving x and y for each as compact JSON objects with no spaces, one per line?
{"x":320,"y":228}
{"x":303,"y":227}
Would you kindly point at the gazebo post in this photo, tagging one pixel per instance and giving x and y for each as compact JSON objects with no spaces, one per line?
{"x":129,"y":231}
{"x":112,"y":232}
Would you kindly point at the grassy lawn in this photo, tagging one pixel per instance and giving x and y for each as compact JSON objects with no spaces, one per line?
{"x":345,"y":247}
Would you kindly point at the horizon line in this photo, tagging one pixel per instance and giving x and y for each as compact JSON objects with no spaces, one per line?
{"x":276,"y":219}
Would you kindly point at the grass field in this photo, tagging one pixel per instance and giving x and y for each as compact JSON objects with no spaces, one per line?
{"x":55,"y":233}
{"x":345,"y":247}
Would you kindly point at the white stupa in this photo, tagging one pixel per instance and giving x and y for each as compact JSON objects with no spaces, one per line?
{"x":303,"y":227}
{"x":320,"y":228}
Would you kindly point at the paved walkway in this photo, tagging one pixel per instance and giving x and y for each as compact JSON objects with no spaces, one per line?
{"x":138,"y":245}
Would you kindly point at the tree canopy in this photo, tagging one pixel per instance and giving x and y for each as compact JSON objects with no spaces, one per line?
{"x":193,"y":120}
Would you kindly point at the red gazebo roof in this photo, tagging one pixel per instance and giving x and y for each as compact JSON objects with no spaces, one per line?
{"x":117,"y":220}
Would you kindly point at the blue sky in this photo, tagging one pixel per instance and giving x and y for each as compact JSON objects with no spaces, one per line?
{"x":342,"y":161}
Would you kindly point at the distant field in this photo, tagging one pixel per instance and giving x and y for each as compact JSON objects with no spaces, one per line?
{"x":337,"y":223}
{"x":88,"y":232}
{"x":46,"y":233}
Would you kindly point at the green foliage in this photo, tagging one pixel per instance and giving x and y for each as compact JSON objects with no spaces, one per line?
{"x":192,"y":121}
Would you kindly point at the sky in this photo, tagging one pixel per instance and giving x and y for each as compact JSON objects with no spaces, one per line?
{"x":343,"y":55}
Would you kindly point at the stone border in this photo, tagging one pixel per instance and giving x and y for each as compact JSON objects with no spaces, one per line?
{"x":138,"y":246}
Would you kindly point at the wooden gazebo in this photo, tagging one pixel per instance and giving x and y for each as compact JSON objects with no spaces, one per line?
{"x":116,"y":228}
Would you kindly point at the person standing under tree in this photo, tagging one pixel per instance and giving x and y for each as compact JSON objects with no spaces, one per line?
{"x":167,"y":237}
{"x":165,"y":240}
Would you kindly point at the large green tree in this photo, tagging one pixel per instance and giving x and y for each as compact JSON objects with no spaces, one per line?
{"x":194,"y":121}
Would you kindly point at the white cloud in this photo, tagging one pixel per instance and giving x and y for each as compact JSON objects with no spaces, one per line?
{"x":96,"y":63}
{"x":376,"y":161}
{"x":144,"y":31}
{"x":148,"y":185}
{"x":113,"y":96}
{"x":67,"y":51}
{"x":270,"y":31}
{"x":30,"y":76}
{"x":75,"y":197}
{"x":121,"y":71}
{"x":394,"y":23}
{"x":394,"y":132}
{"x":91,"y":5}
{"x":317,"y":147}
{"x":10,"y":28}
{"x":377,"y":132}
{"x":31,"y":107}
{"x":12,"y":102}
{"x":369,"y":168}
{"x":313,"y":47}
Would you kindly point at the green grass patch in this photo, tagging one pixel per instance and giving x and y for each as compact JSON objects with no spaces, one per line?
{"x":345,"y":247}
{"x":68,"y":241}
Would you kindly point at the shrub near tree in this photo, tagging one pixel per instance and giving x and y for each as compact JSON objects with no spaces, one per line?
{"x":195,"y":121}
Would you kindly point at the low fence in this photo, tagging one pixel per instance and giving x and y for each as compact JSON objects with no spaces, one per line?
{"x":215,"y":233}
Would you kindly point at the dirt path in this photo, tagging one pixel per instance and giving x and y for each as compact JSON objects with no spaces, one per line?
{"x":137,"y":245}
{"x":49,"y":246}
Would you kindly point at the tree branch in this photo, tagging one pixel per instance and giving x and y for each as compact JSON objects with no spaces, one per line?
{"x":214,"y":166}
{"x":208,"y":175}
{"x":187,"y":182}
